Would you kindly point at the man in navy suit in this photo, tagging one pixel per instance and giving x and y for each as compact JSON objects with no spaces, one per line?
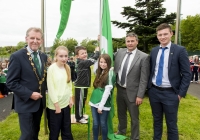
{"x":168,"y":82}
{"x":27,"y":79}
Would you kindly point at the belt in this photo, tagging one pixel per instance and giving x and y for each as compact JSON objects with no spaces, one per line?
{"x":162,"y":88}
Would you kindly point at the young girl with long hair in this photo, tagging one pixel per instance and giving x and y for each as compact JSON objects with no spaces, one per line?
{"x":100,"y":100}
{"x":59,"y":94}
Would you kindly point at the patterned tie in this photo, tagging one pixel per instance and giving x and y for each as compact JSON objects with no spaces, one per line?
{"x":123,"y":76}
{"x":160,"y":68}
{"x":36,"y":61}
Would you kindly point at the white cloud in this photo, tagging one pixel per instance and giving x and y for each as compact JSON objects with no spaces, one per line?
{"x":16,"y":16}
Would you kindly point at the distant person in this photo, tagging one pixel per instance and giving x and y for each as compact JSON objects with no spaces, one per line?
{"x":100,"y":100}
{"x":168,"y":82}
{"x":195,"y":69}
{"x":26,"y":77}
{"x":3,"y":75}
{"x":83,"y":80}
{"x":59,"y":96}
{"x":71,"y":64}
{"x":132,"y":69}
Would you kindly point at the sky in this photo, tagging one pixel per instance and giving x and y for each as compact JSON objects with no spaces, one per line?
{"x":16,"y":16}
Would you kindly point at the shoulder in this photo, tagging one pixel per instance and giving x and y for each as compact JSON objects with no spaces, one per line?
{"x":52,"y":66}
{"x":141,"y":53}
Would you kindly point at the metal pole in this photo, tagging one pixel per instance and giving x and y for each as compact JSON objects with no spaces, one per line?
{"x":43,"y":50}
{"x":42,"y":25}
{"x":177,"y":21}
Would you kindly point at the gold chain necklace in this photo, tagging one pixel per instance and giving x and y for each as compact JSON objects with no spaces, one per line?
{"x":34,"y":69}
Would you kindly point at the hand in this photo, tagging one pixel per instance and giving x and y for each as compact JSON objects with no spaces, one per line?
{"x":99,"y":111}
{"x":71,"y":103}
{"x":138,"y":101}
{"x":179,"y":97}
{"x":58,"y":110}
{"x":96,"y":49}
{"x":36,"y":96}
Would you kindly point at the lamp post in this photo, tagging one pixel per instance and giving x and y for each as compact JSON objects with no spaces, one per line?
{"x":177,"y":21}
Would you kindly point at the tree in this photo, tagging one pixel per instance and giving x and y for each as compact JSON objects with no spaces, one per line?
{"x":143,"y":20}
{"x":89,"y":44}
{"x":190,"y":29}
{"x":70,"y":43}
{"x":20,"y":45}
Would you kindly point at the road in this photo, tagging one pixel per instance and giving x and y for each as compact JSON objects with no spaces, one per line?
{"x":6,"y":103}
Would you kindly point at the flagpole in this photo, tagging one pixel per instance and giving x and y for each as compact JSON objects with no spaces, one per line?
{"x":177,"y":21}
{"x":43,"y":50}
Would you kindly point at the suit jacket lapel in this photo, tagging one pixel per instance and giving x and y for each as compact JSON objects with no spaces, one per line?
{"x":136,"y":57}
{"x":154,"y":56}
{"x":122,"y":55}
{"x":170,"y":56}
{"x":26,"y":56}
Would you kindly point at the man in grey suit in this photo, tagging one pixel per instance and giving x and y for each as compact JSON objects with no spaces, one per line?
{"x":132,"y":69}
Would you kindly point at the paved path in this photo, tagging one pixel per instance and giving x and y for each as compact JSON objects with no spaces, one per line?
{"x":5,"y":106}
{"x":194,"y":90}
{"x":5,"y":103}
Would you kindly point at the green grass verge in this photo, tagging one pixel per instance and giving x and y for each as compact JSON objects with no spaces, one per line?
{"x":188,"y":122}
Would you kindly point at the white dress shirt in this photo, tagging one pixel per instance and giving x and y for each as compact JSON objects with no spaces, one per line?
{"x":129,"y":64}
{"x":165,"y":79}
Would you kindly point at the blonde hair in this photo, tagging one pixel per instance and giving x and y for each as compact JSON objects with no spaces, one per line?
{"x":67,"y":68}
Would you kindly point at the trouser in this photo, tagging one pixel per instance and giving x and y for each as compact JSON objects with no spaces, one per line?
{"x":59,"y":122}
{"x":30,"y":124}
{"x":80,"y":98}
{"x":194,"y":74}
{"x":164,"y":102}
{"x":99,"y":120}
{"x":124,"y":105}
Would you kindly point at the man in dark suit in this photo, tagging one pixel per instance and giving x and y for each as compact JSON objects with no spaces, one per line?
{"x":132,"y":69}
{"x":27,"y":79}
{"x":168,"y":82}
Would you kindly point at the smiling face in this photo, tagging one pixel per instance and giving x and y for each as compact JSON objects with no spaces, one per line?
{"x":103,"y":64}
{"x":34,"y":39}
{"x":164,"y":36}
{"x":82,"y":54}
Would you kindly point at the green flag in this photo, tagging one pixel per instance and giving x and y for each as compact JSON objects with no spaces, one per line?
{"x":106,"y":37}
{"x":106,"y":47}
{"x":65,"y":6}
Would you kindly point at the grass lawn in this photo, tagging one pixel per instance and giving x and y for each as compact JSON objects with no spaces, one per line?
{"x":188,"y":122}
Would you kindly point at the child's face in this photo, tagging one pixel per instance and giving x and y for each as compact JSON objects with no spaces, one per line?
{"x":62,"y":57}
{"x":82,"y":54}
{"x":3,"y":65}
{"x":103,"y":64}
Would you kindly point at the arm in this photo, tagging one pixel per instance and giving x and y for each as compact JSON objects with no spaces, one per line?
{"x":106,"y":93}
{"x":51,"y":88}
{"x":14,"y":78}
{"x":144,"y":76}
{"x":185,"y":72}
{"x":108,"y":88}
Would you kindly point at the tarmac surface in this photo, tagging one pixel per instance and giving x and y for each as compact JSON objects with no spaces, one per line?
{"x":6,"y":103}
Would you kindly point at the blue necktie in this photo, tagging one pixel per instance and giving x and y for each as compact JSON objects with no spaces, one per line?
{"x":160,"y":68}
{"x":123,"y":76}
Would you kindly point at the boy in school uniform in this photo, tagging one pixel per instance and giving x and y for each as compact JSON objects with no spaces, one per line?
{"x":83,"y":80}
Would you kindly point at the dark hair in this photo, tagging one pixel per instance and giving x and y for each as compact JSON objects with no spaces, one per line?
{"x":163,"y":26}
{"x":78,"y":48}
{"x":131,"y":34}
{"x":101,"y":78}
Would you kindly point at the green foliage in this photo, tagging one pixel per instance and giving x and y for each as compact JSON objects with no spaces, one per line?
{"x":89,"y":44}
{"x":190,"y":29}
{"x":70,"y":43}
{"x":143,"y":20}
